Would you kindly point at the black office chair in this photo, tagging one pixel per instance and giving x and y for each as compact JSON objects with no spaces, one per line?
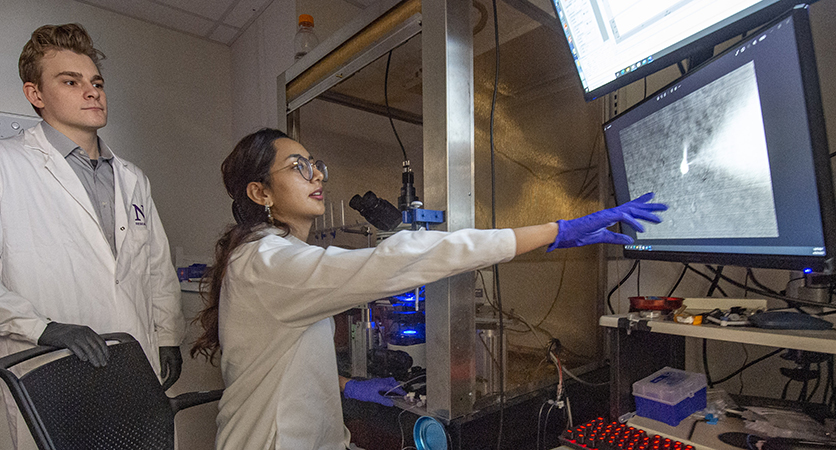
{"x":68,"y":404}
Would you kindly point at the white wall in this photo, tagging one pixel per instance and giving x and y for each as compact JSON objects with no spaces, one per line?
{"x":170,"y":108}
{"x":265,"y":50}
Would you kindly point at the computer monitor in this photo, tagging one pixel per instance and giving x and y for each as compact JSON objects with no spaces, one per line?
{"x":616,"y":42}
{"x":737,"y":149}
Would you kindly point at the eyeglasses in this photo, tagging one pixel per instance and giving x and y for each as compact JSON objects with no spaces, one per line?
{"x":305,"y":168}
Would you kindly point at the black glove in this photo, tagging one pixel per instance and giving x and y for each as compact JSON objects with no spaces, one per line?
{"x":79,"y":339}
{"x":171,"y":362}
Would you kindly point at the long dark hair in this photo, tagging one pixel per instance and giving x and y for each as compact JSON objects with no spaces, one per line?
{"x":251,"y":160}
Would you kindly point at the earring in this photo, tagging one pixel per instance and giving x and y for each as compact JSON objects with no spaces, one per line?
{"x":269,"y":213}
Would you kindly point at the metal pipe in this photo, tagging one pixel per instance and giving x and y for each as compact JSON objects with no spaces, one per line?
{"x":353,"y":46}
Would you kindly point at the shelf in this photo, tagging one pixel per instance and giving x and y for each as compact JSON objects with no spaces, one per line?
{"x":822,"y":341}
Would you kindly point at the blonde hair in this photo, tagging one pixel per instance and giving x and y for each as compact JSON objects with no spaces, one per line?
{"x":71,"y":36}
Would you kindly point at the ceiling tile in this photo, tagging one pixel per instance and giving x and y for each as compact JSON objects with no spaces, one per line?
{"x":210,"y":9}
{"x":361,"y":3}
{"x":245,"y":11}
{"x":224,"y":34}
{"x":156,"y":13}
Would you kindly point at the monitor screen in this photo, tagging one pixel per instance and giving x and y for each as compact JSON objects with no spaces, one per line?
{"x":616,"y":42}
{"x":738,"y":151}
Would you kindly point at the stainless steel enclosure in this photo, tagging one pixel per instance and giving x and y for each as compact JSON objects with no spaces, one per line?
{"x":550,"y":161}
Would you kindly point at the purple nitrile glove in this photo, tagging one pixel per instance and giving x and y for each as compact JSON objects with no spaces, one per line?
{"x":592,"y":229}
{"x":373,"y":390}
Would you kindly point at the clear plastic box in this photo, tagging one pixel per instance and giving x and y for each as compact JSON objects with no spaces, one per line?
{"x":670,"y":395}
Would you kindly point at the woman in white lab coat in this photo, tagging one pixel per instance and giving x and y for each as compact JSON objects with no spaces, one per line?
{"x":272,"y":296}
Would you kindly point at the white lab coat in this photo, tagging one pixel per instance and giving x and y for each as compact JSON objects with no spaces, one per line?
{"x":276,"y":332}
{"x":57,"y":265}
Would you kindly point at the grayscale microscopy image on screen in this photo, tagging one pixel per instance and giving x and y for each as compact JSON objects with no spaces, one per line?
{"x":705,"y":157}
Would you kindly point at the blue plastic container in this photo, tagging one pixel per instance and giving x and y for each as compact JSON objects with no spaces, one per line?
{"x":670,"y":395}
{"x":429,"y":434}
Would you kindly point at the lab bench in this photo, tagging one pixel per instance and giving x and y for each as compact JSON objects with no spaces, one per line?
{"x":640,"y":346}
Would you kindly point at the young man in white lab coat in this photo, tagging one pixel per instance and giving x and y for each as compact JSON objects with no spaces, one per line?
{"x":82,"y":249}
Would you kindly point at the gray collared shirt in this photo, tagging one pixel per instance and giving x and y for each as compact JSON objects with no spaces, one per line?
{"x":95,"y":175}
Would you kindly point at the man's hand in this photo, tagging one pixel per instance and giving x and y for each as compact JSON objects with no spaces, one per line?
{"x":171,"y":363}
{"x":79,"y":339}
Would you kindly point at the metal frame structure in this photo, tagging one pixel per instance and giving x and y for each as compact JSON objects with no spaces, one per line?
{"x":448,"y":123}
{"x":449,"y":170}
{"x":449,"y":155}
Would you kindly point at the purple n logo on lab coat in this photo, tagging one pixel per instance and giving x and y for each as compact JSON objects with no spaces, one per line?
{"x":139,"y":214}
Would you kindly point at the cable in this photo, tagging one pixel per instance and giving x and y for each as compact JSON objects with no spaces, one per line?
{"x":556,"y":296}
{"x":748,"y":365}
{"x":705,"y":363}
{"x":585,"y":383}
{"x":539,"y":421}
{"x":588,"y":182}
{"x":493,"y":225}
{"x":546,"y":424}
{"x":553,"y":355}
{"x":493,"y":358}
{"x":793,"y":302}
{"x":681,"y":276}
{"x":516,"y":316}
{"x":388,"y":111}
{"x":401,"y":385}
{"x":757,"y":283}
{"x":589,"y":163}
{"x":718,"y":274}
{"x":831,"y":404}
{"x":746,"y":283}
{"x":745,"y":361}
{"x":400,"y":427}
{"x":707,"y":278}
{"x":570,"y":422}
{"x":827,"y":381}
{"x":818,"y":382}
{"x":609,"y":296}
{"x":786,"y":388}
{"x":593,"y":188}
{"x":638,"y":277}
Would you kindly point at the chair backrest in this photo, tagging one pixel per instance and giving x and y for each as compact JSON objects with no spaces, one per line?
{"x":68,"y":404}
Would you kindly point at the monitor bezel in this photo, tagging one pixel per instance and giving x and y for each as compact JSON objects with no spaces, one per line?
{"x":821,"y":160}
{"x":693,"y":51}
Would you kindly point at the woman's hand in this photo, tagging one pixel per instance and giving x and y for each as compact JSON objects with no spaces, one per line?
{"x":373,"y":390}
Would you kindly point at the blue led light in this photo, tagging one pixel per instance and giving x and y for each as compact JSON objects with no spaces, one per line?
{"x":409,"y":332}
{"x":409,"y":297}
{"x":808,"y":270}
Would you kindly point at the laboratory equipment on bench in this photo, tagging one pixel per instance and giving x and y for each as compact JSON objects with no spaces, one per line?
{"x":378,"y":211}
{"x":602,"y":435}
{"x":407,"y":329}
